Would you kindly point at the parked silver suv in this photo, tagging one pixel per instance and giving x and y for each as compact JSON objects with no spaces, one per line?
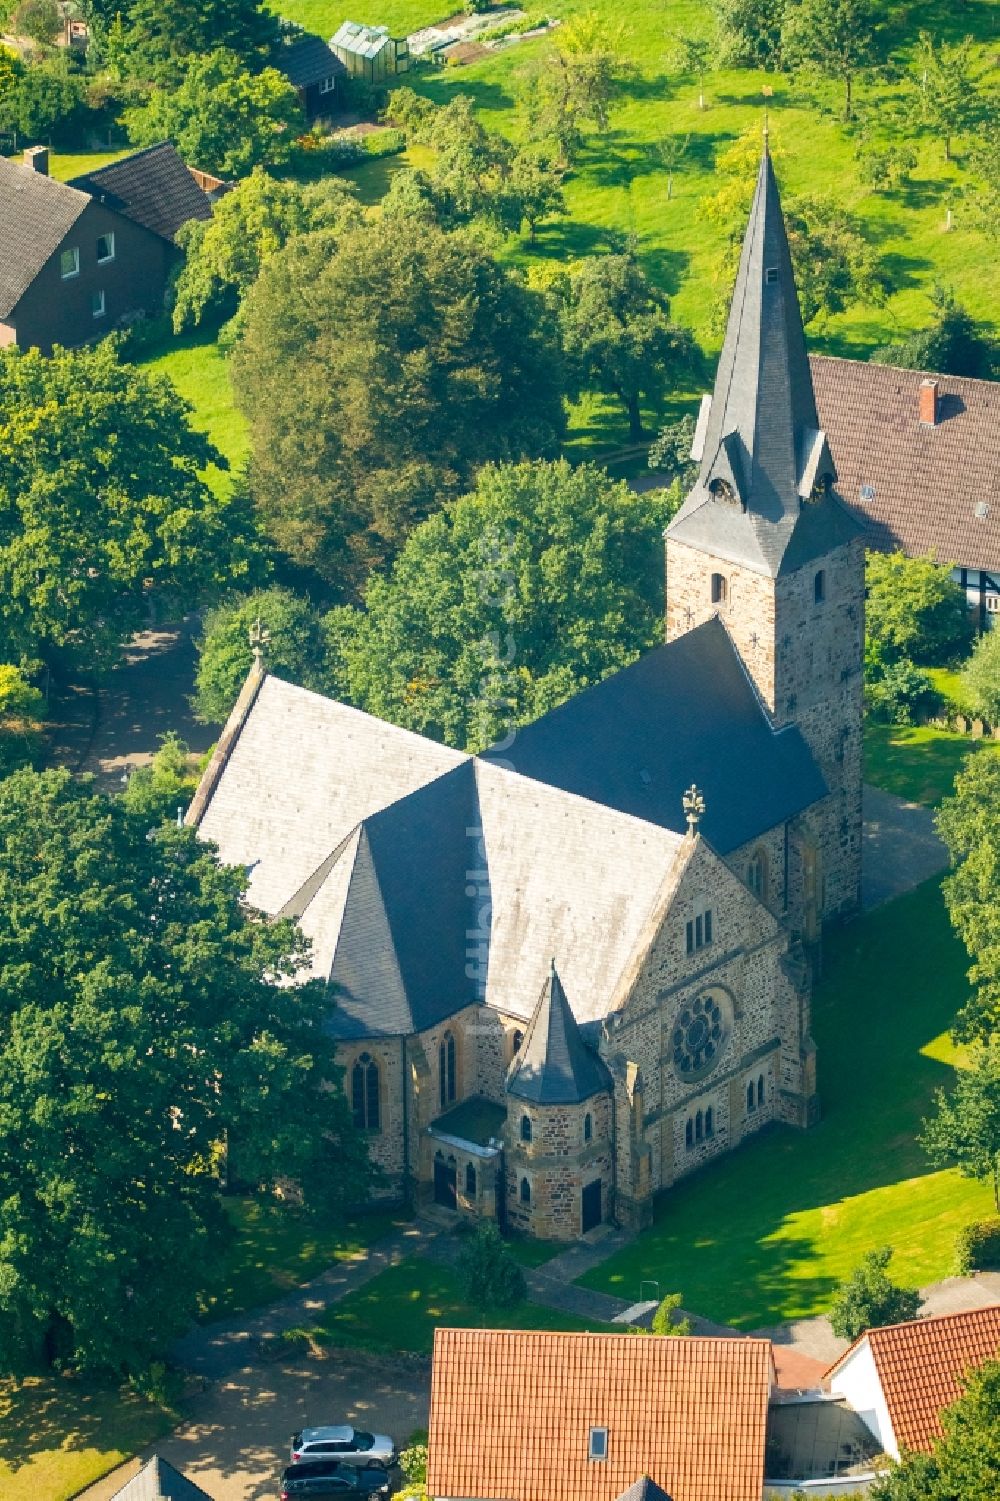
{"x":349,"y":1445}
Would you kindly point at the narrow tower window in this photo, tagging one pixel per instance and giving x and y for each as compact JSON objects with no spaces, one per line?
{"x":365,"y":1093}
{"x":470,"y":1181}
{"x":718,"y":589}
{"x":819,"y":587}
{"x":446,"y":1069}
{"x":709,"y":1122}
{"x":525,"y":1191}
{"x":525,"y":1127}
{"x":588,"y":1126}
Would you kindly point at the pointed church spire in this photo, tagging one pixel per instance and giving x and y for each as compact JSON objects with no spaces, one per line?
{"x":758,"y":439}
{"x":554,"y":1065}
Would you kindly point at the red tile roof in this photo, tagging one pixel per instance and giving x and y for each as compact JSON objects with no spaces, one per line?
{"x":927,"y":481}
{"x":511,"y":1414}
{"x":796,"y":1372}
{"x":920,"y":1366}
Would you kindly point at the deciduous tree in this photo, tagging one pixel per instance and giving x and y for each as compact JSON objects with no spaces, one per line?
{"x":914,"y":608}
{"x":223,"y":255}
{"x":578,"y":81}
{"x":292,"y":638}
{"x":102,"y":501}
{"x":944,"y":97}
{"x":221,"y":117}
{"x":839,"y":39}
{"x":969,"y":824}
{"x":981,"y":678}
{"x":539,"y":583}
{"x":952,"y":342}
{"x":964,"y":1132}
{"x":750,"y":32}
{"x":378,"y":374}
{"x":869,"y":1299}
{"x":141,"y":1026}
{"x":162,"y":39}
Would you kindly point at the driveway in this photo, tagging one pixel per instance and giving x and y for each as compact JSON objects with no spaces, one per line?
{"x":900,"y":847}
{"x":235,"y":1441}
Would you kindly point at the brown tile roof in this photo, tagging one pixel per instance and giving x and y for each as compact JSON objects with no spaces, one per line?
{"x":512,"y":1410}
{"x":927,"y":480}
{"x":921,"y":1364}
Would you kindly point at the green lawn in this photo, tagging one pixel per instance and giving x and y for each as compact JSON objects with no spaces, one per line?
{"x":918,"y":762}
{"x":277,"y":1249}
{"x":401,"y":1307}
{"x":534,"y":1252}
{"x":66,"y":164}
{"x":197,"y":368}
{"x":401,"y":16}
{"x":766,"y":1234}
{"x":58,"y":1436}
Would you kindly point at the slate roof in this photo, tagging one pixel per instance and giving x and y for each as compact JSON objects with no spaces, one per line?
{"x":153,"y":187}
{"x":761,"y":438}
{"x":159,"y":1481}
{"x":920,"y":1366}
{"x":922,"y":488}
{"x":689,"y":1413}
{"x":36,"y":213}
{"x":644,"y":1489}
{"x":685,"y":712}
{"x":554,"y":1065}
{"x":306,"y":60}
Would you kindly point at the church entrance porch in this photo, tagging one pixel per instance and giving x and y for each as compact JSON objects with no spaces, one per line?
{"x":462,"y":1159}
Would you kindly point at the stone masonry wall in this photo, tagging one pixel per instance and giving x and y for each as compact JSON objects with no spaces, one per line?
{"x":557,"y":1164}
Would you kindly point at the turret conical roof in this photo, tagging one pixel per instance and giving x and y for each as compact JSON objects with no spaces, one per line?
{"x":554,"y":1065}
{"x":763,"y":457}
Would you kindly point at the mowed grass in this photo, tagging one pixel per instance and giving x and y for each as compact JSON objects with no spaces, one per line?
{"x":401,"y":16}
{"x":401,"y":1307}
{"x":197,"y":368}
{"x":918,"y":762}
{"x":767,"y":1233}
{"x":276,"y":1249}
{"x":59,"y":1435}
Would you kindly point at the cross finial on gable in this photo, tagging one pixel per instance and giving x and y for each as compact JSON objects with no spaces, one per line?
{"x":694,"y":807}
{"x":259,"y":637}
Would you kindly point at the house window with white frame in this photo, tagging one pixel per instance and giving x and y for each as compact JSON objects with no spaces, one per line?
{"x":69,"y":263}
{"x":327,"y":85}
{"x":105,"y":248}
{"x":97,"y":304}
{"x":598,"y":1447}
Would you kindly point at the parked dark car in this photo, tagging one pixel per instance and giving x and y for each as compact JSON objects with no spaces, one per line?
{"x":331,"y":1477}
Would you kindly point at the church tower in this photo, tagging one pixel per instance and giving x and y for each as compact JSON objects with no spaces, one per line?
{"x":763,"y":542}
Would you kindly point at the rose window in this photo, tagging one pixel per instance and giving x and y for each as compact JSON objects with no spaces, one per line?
{"x":699,"y":1035}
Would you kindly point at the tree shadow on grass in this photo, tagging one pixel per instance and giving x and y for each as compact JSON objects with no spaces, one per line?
{"x":63,"y":1412}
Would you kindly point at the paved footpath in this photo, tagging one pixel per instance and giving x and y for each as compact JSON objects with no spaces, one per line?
{"x":901,"y":847}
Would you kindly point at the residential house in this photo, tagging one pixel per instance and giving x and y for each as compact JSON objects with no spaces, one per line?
{"x":900,"y":1379}
{"x":369,"y":52}
{"x":918,"y":461}
{"x":312,"y":68}
{"x":561,"y":977}
{"x":159,"y":1481}
{"x":80,"y":258}
{"x":525,"y":1415}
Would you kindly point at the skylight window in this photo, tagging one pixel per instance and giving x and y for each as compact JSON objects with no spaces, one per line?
{"x":771,"y":275}
{"x":598,"y":1443}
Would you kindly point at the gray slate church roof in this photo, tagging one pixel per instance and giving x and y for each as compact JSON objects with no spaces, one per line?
{"x":759,"y":442}
{"x":159,"y":1481}
{"x":554,"y":1066}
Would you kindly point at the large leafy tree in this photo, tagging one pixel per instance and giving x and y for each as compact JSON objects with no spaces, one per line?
{"x":869,"y":1299}
{"x":984,"y":193}
{"x":102,"y":500}
{"x":221,"y":117}
{"x":966,"y":1461}
{"x":969,"y":824}
{"x":289,"y":630}
{"x":619,"y":336}
{"x":913,"y":608}
{"x":944,"y":97}
{"x":223,"y":255}
{"x":750,"y":32}
{"x":839,"y":39}
{"x":43,"y":102}
{"x":578,"y":81}
{"x":539,"y":583}
{"x":162,"y":38}
{"x":981,"y":677}
{"x":142,"y":1028}
{"x":378,"y":373}
{"x":965,"y":1130}
{"x":952,"y":342}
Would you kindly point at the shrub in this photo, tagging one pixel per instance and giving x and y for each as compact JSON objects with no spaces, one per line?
{"x":885,"y":167}
{"x":664,"y":1321}
{"x":895,"y":691}
{"x":413,"y":1463}
{"x":914,"y":609}
{"x":869,"y":1299}
{"x":490,"y":1276}
{"x":981,"y":677}
{"x":977,"y":1247}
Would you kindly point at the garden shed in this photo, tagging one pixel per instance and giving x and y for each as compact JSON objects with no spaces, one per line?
{"x":312,"y":68}
{"x":369,"y":52}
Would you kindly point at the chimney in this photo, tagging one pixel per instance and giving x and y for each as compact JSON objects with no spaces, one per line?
{"x":36,"y":158}
{"x":928,"y":403}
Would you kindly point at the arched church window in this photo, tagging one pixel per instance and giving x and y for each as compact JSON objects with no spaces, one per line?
{"x":709,"y":1122}
{"x":525,"y":1191}
{"x":760,"y":1091}
{"x":719,"y":588}
{"x":750,"y":1096}
{"x":819,"y":587}
{"x":446,"y":1069}
{"x":518,"y":1039}
{"x":365,"y":1102}
{"x":588,"y":1126}
{"x":689,"y":1134}
{"x":470,"y":1181}
{"x":525,"y":1127}
{"x":757,"y":874}
{"x":699,"y":1127}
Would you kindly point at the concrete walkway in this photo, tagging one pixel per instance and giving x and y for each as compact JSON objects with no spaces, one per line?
{"x":215,"y":1351}
{"x":900,"y":849}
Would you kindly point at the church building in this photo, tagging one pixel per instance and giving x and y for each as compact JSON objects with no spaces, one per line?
{"x":567,"y":972}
